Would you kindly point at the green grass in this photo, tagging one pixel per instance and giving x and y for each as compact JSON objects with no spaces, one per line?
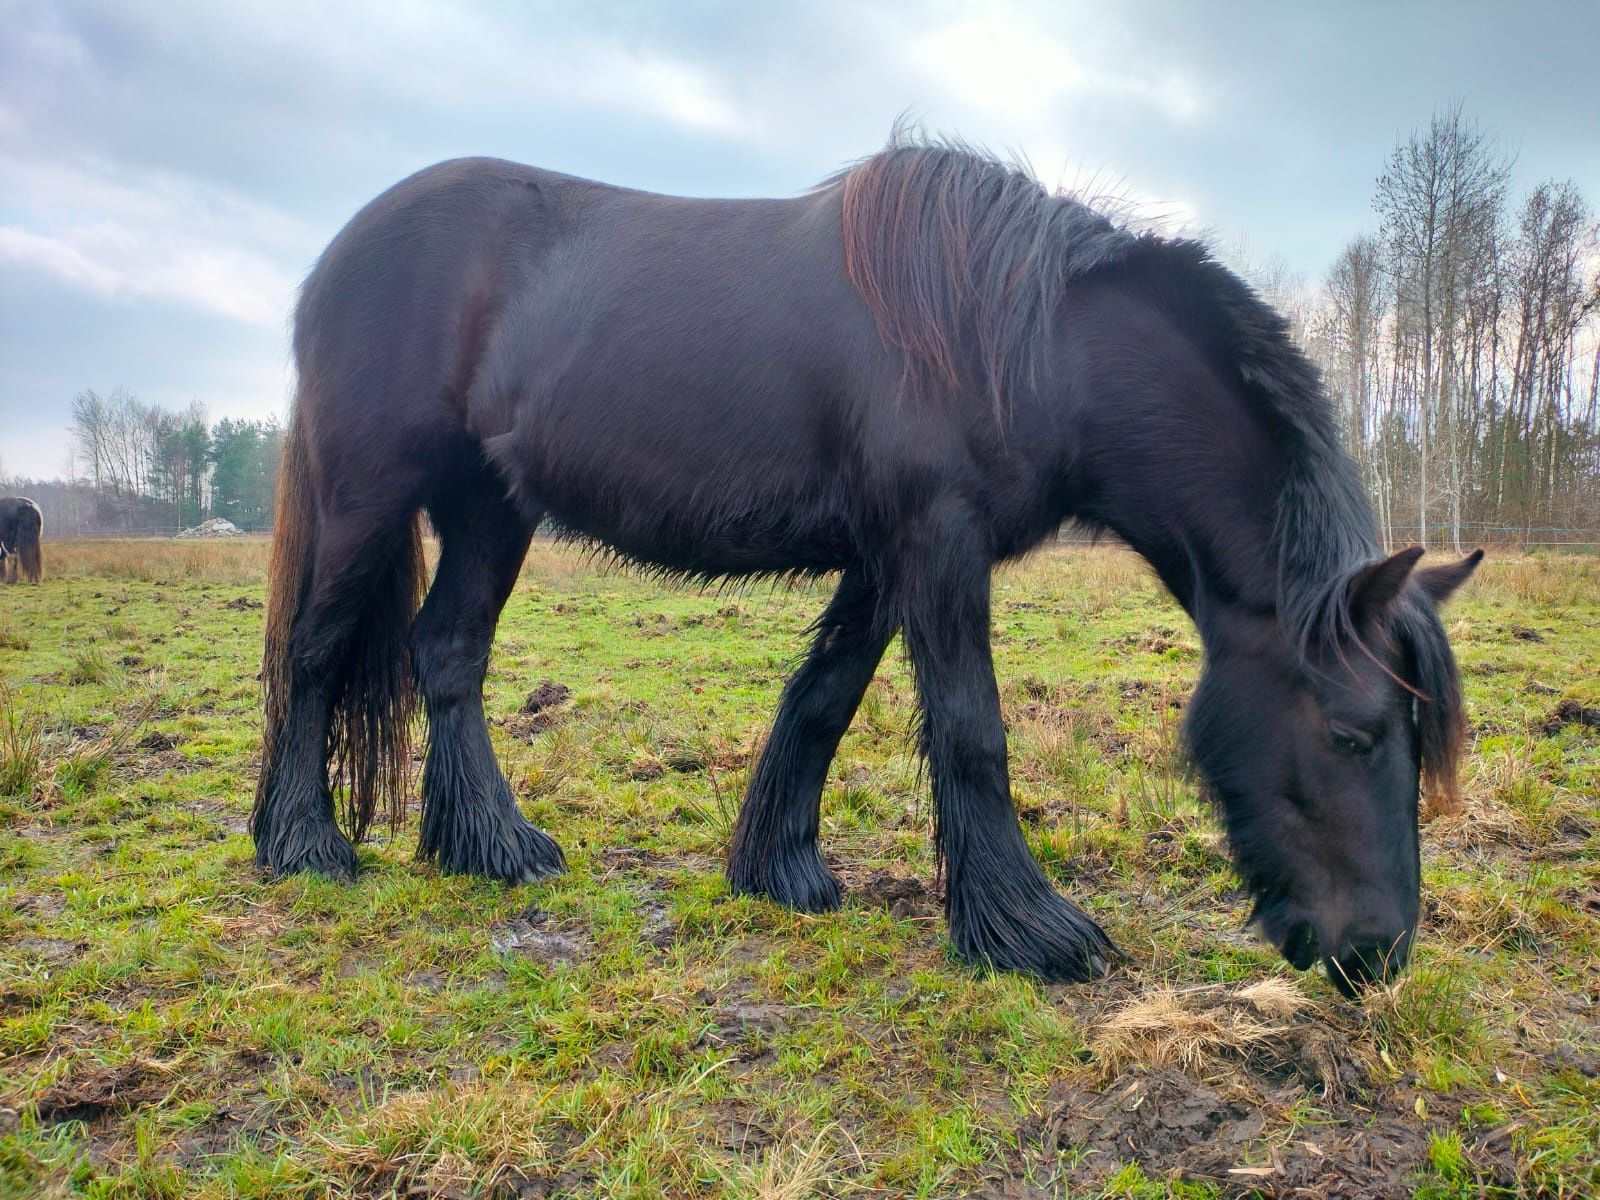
{"x":172,"y":1024}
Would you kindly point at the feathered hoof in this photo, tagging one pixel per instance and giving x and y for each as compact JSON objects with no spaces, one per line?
{"x":309,"y":847}
{"x":513,"y":850}
{"x":1040,"y":933}
{"x":798,"y":880}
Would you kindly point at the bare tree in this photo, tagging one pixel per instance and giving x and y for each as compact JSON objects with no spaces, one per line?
{"x":1357,"y":296}
{"x":1439,"y":198}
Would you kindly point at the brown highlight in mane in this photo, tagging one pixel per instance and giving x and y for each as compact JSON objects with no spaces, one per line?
{"x":962,"y":261}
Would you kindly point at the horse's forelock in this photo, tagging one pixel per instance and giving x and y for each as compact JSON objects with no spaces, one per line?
{"x":1441,"y":717}
{"x":1426,"y":669}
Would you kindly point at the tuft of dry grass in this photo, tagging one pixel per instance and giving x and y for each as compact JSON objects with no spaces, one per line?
{"x":1196,"y":1028}
{"x":438,"y":1141}
{"x":792,"y":1170}
{"x":90,"y":665}
{"x":1540,"y":579}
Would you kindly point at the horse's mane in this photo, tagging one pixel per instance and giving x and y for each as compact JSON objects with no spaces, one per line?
{"x":962,"y":260}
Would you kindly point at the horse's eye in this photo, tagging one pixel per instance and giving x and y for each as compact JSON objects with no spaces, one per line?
{"x":1351,"y":743}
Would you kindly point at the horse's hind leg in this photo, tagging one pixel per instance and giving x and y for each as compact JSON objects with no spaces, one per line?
{"x":1001,"y":909}
{"x":774,"y":851}
{"x":294,"y":824}
{"x":470,"y":821}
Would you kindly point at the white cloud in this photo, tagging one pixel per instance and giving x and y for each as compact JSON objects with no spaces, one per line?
{"x":467,"y":61}
{"x":152,"y":236}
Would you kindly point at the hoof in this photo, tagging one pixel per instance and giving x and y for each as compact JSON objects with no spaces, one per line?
{"x":800,"y":881}
{"x":512,"y":851}
{"x":1039,"y":933}
{"x":312,"y":848}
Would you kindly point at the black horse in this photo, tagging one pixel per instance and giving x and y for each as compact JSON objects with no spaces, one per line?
{"x":914,"y":372}
{"x":21,"y":526}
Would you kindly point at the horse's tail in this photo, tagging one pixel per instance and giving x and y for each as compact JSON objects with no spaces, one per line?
{"x":374,"y":702}
{"x":30,"y":527}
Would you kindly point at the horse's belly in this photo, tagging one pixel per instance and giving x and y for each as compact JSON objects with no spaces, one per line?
{"x":738,"y":515}
{"x":710,"y":542}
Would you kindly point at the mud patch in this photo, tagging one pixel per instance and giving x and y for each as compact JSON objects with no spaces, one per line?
{"x":242,"y":604}
{"x":48,"y":949}
{"x":739,"y":1130}
{"x":1205,"y":1083}
{"x":902,"y":896}
{"x":1240,"y":1138}
{"x":534,"y":934}
{"x":1153,"y":1117}
{"x":750,"y":1025}
{"x":659,"y":929}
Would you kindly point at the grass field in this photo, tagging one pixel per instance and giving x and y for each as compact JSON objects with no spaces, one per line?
{"x":172,"y":1024}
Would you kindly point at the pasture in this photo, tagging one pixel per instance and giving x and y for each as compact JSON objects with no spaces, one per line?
{"x":171,"y":1024}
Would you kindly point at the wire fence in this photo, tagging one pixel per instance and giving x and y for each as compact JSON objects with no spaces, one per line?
{"x":1468,"y":534}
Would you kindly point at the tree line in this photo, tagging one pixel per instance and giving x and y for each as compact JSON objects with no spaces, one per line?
{"x":140,"y":468}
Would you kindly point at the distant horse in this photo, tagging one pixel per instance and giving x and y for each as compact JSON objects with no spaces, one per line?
{"x":21,"y":526}
{"x":908,"y":375}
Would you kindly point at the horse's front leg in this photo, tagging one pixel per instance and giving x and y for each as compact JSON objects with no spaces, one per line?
{"x":1001,"y":909}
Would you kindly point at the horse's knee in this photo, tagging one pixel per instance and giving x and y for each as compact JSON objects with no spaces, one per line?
{"x":447,"y":666}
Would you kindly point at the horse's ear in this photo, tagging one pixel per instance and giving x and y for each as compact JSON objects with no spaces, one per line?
{"x":1441,"y":582}
{"x":1374,"y":587}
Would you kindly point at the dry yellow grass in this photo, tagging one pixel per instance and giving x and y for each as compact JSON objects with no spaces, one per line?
{"x":223,"y":560}
{"x":1196,"y":1028}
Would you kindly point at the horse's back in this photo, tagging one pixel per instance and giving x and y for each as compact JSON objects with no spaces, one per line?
{"x":681,"y":364}
{"x":476,"y":284}
{"x":393,"y":312}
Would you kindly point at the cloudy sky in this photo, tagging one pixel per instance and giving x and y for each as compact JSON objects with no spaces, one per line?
{"x":170,"y":169}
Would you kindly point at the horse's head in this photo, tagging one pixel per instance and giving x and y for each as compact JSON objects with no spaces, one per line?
{"x":1315,"y":755}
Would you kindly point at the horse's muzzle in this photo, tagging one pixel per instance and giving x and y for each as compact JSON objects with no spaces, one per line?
{"x":1362,"y":962}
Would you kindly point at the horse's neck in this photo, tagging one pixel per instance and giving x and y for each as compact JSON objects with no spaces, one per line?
{"x":1194,"y":493}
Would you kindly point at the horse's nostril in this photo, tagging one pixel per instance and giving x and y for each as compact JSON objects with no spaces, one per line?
{"x":1300,"y":945}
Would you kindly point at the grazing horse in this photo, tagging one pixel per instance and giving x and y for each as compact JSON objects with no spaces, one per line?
{"x":21,"y":526}
{"x":914,"y":372}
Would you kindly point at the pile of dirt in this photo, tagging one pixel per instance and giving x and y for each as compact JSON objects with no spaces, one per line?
{"x":216,"y":527}
{"x":547,"y":695}
{"x":1570,"y":712}
{"x":540,"y":710}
